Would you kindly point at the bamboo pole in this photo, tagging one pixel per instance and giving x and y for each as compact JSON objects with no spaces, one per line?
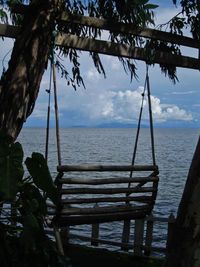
{"x":107,"y":190}
{"x":151,"y":119}
{"x":143,"y":199}
{"x":99,"y":218}
{"x":58,"y":240}
{"x":56,"y":114}
{"x":104,"y":168}
{"x":100,"y":210}
{"x":86,"y":181}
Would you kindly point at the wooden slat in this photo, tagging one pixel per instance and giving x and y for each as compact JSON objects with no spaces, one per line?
{"x":107,"y":190}
{"x":114,"y":49}
{"x":100,"y":210}
{"x":105,"y":168}
{"x":130,"y":29}
{"x":99,"y":218}
{"x":96,"y":181}
{"x":9,"y":30}
{"x":145,"y":199}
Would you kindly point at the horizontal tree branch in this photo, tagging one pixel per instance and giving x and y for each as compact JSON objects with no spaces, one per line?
{"x":121,"y":50}
{"x":126,"y":28}
{"x":113,"y":49}
{"x":130,"y":29}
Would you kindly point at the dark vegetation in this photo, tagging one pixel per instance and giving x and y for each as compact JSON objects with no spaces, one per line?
{"x":91,"y":257}
{"x":23,"y":241}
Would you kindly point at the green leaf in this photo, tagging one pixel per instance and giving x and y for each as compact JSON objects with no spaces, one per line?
{"x":11,"y":168}
{"x":150,"y":6}
{"x":32,"y":200}
{"x":30,"y":230}
{"x":39,"y":171}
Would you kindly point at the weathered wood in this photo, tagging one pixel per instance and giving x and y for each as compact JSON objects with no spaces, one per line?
{"x":138,"y":237}
{"x":126,"y":234}
{"x":101,"y":241}
{"x":95,"y":231}
{"x":130,"y":29}
{"x":105,"y":168}
{"x":144,"y":199}
{"x":96,"y":181}
{"x":107,"y":190}
{"x":114,"y":49}
{"x":122,"y":50}
{"x":98,"y":218}
{"x":149,"y":236}
{"x":126,"y":28}
{"x":126,"y":245}
{"x":100,"y":210}
{"x":114,"y":243}
{"x":9,"y":31}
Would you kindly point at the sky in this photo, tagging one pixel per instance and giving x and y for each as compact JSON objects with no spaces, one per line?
{"x":116,"y":99}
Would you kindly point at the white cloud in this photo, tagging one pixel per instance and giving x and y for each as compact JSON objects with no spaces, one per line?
{"x":92,"y":75}
{"x":171,"y":112}
{"x":124,"y":106}
{"x":184,"y":93}
{"x":40,"y":111}
{"x":113,"y":62}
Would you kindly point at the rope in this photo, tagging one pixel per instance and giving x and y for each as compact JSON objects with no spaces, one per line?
{"x":54,"y":33}
{"x":151,"y":119}
{"x":56,"y":230}
{"x":48,"y":116}
{"x":146,"y":86}
{"x":138,"y":128}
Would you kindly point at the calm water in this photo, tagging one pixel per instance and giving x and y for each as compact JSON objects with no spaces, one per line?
{"x":174,"y":151}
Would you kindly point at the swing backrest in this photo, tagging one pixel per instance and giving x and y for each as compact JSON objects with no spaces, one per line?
{"x":106,"y":194}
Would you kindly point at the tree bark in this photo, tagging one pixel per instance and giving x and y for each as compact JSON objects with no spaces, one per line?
{"x":184,"y":242}
{"x":20,"y":84}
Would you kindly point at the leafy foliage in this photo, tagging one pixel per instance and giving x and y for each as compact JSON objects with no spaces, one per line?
{"x":39,"y":171}
{"x":137,"y":12}
{"x":3,"y":14}
{"x":23,"y":240}
{"x":11,"y":169}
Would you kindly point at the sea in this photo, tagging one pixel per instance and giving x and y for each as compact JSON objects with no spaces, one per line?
{"x":174,"y":149}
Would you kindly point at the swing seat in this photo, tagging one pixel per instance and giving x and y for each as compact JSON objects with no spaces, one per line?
{"x":105,"y":198}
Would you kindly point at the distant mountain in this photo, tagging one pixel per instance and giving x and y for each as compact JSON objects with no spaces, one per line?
{"x":117,"y":125}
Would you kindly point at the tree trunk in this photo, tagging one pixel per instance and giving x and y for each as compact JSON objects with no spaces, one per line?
{"x":184,"y":242}
{"x":20,"y":84}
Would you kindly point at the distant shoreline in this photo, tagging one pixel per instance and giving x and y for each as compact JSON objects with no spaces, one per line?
{"x":116,"y":127}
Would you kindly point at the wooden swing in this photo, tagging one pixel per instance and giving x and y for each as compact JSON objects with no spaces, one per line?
{"x":89,"y":200}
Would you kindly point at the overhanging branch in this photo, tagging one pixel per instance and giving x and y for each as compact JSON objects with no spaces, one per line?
{"x":110,"y":48}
